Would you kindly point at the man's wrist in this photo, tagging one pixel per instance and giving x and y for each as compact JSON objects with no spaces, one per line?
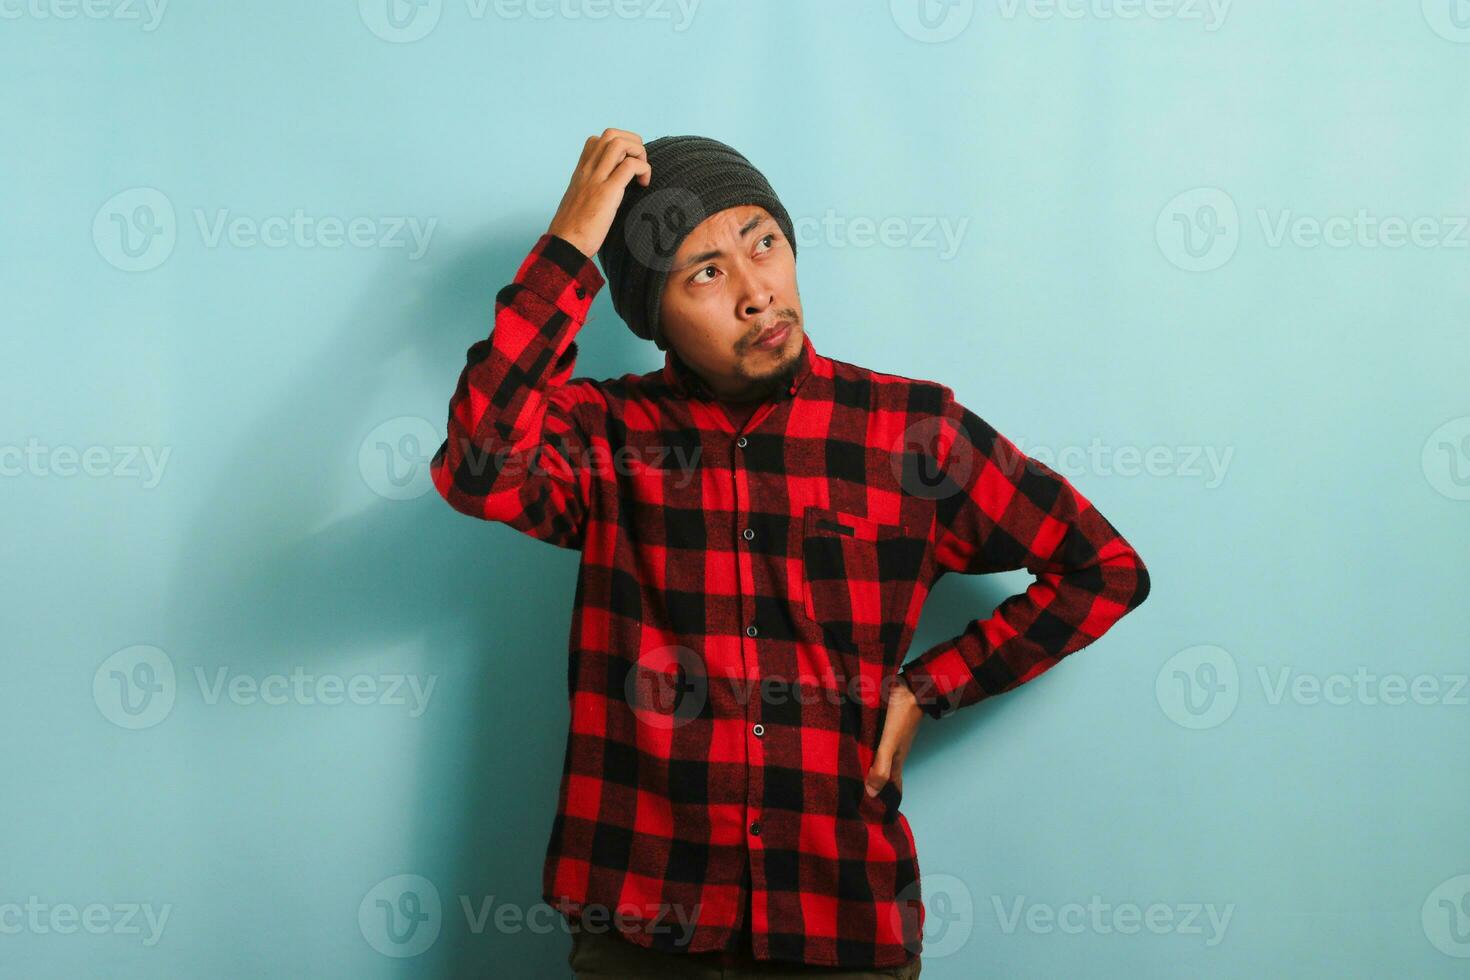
{"x":921,"y":689}
{"x":574,"y":240}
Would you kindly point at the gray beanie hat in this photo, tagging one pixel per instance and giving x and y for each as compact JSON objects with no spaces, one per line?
{"x":693,"y":177}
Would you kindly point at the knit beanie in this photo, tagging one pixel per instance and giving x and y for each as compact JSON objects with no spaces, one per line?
{"x":693,"y":177}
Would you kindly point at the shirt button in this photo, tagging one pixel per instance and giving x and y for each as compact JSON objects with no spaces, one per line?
{"x":740,"y":442}
{"x":750,"y":631}
{"x":581,"y":293}
{"x":755,"y":828}
{"x":749,"y":534}
{"x":759,"y":729}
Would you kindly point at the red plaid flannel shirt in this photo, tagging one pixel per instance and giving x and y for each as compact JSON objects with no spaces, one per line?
{"x":743,"y":597}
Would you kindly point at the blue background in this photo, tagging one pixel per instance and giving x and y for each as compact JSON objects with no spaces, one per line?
{"x":1134,"y":269}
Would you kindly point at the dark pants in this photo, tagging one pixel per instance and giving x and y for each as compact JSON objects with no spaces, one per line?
{"x":605,"y":954}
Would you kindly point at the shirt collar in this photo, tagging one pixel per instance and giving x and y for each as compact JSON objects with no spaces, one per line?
{"x":683,"y":379}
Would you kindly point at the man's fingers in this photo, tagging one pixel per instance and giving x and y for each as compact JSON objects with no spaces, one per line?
{"x":877,"y":777}
{"x":589,"y":164}
{"x":590,"y":202}
{"x":589,"y":154}
{"x":629,"y":167}
{"x":614,"y":152}
{"x":879,"y":773}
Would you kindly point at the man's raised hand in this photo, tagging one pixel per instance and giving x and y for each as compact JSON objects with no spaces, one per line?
{"x":596,"y":189}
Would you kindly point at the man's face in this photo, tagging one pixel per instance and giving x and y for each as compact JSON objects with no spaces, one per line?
{"x":733,"y":276}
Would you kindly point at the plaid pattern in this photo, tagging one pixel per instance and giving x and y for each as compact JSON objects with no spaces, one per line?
{"x":743,"y":598}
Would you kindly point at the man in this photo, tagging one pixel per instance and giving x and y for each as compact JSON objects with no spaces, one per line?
{"x":759,"y":526}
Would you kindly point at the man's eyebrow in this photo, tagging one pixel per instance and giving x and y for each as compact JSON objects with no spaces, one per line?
{"x":716,"y":253}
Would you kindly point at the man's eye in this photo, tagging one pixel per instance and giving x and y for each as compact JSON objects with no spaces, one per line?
{"x":771,"y":237}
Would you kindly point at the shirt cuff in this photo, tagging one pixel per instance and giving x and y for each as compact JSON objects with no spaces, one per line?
{"x":560,"y":273}
{"x":941,"y":680}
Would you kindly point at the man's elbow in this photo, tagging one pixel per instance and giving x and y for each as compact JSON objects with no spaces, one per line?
{"x":1124,"y":579}
{"x":1140,"y":585}
{"x":467,"y":491}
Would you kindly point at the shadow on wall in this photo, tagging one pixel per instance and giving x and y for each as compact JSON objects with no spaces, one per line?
{"x":272,"y":578}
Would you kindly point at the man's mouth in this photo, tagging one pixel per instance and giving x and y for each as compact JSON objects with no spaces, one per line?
{"x":773,"y":336}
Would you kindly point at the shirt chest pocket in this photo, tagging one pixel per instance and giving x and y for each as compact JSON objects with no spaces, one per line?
{"x":855,"y":572}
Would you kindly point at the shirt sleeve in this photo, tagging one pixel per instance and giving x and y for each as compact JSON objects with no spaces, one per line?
{"x":999,"y":510}
{"x":515,"y":450}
